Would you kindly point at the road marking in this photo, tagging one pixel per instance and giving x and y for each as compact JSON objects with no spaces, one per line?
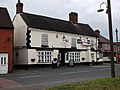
{"x":105,"y":69}
{"x":100,"y":66}
{"x":75,"y":72}
{"x":31,"y":76}
{"x":85,"y":71}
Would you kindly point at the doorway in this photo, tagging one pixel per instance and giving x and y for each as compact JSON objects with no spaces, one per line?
{"x":3,"y":63}
{"x":62,"y":62}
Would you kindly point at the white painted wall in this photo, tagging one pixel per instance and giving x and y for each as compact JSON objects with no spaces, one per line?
{"x":22,"y":57}
{"x":54,"y":42}
{"x":83,"y":54}
{"x":20,"y":29}
{"x":105,"y":59}
{"x":32,"y":54}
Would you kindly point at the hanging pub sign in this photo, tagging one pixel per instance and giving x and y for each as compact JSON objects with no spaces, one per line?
{"x":84,"y":42}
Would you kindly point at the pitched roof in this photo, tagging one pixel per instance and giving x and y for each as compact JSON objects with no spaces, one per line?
{"x":5,"y":21}
{"x":85,"y":29}
{"x":104,"y":40}
{"x":48,"y":23}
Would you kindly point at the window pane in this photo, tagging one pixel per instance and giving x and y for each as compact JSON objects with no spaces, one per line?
{"x":44,"y":56}
{"x":73,"y":42}
{"x":45,"y":39}
{"x":74,"y":56}
{"x":1,"y":60}
{"x":4,"y":60}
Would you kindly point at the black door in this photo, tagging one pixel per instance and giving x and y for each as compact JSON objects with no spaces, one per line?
{"x":62,"y":62}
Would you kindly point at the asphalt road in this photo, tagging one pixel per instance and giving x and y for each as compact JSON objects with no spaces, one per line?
{"x":37,"y":78}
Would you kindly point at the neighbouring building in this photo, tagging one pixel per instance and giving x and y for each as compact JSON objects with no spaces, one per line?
{"x":40,"y":39}
{"x":116,"y":50}
{"x":104,"y":47}
{"x":6,"y":42}
{"x":117,"y":47}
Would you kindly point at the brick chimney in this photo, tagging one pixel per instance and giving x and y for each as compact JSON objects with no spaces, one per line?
{"x":97,"y":32}
{"x":73,"y":17}
{"x":19,"y":7}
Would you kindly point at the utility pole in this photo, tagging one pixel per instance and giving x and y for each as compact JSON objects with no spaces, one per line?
{"x":111,"y":39}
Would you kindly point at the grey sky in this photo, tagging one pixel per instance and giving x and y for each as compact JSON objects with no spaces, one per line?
{"x":86,"y":9}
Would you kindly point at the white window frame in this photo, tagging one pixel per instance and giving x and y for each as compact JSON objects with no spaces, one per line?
{"x":100,"y":55}
{"x":92,"y":56}
{"x":3,"y":61}
{"x":44,"y":40}
{"x":73,"y":42}
{"x":75,"y":56}
{"x":44,"y":56}
{"x":92,"y":43}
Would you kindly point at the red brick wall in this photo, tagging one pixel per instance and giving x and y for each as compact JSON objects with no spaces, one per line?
{"x":6,"y":45}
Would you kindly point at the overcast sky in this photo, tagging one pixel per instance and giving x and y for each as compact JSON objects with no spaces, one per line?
{"x":86,"y":9}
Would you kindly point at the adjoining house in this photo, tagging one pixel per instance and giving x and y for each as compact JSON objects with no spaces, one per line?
{"x":40,"y":39}
{"x":116,"y":50}
{"x":104,"y":47}
{"x":117,"y":47}
{"x":6,"y":42}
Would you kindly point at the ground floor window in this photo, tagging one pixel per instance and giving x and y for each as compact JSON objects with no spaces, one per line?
{"x":44,"y":56}
{"x":74,"y":56}
{"x":92,"y":56}
{"x":101,"y":55}
{"x":106,"y":54}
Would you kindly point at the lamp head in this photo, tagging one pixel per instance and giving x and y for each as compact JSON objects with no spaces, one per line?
{"x":100,"y":10}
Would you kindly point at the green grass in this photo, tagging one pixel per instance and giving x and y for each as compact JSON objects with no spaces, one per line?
{"x":98,"y":84}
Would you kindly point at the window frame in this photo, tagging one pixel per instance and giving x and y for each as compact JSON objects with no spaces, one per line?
{"x":44,"y":57}
{"x":44,"y":41}
{"x":75,"y":56}
{"x":73,"y":42}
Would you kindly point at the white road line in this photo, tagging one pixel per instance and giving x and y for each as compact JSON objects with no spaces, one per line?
{"x":85,"y":71}
{"x":75,"y":72}
{"x":31,"y":76}
{"x":105,"y":69}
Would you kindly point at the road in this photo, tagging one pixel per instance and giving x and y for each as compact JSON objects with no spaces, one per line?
{"x":37,"y":78}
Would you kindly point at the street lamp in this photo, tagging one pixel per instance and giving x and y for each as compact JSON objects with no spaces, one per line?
{"x":101,"y":10}
{"x":110,"y":35}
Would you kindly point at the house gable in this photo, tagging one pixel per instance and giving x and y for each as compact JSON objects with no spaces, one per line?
{"x":20,"y":31}
{"x":5,"y":21}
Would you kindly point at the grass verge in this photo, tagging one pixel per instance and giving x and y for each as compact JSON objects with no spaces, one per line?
{"x":98,"y":84}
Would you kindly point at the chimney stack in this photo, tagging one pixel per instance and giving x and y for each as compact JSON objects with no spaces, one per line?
{"x":19,"y":7}
{"x":97,"y":32}
{"x":73,"y":17}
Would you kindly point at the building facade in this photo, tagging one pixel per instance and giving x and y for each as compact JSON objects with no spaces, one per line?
{"x":6,"y":42}
{"x":40,"y":39}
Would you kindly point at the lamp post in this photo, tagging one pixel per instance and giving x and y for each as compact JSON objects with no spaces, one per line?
{"x":116,"y":45}
{"x":110,"y":36}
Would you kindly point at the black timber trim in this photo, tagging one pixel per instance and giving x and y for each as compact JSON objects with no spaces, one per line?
{"x":60,"y":49}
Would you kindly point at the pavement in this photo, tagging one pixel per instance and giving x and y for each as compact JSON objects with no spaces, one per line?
{"x":6,"y":83}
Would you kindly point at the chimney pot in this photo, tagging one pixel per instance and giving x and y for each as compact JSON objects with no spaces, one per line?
{"x":97,"y":32}
{"x":73,"y":17}
{"x":19,"y":7}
